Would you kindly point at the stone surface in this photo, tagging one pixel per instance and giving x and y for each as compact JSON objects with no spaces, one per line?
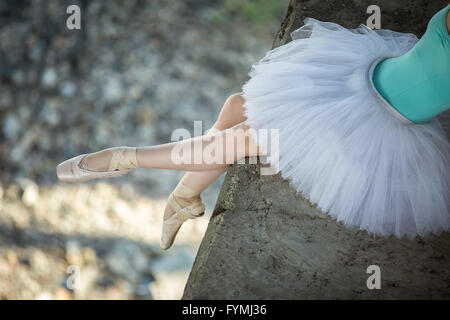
{"x":266,"y":242}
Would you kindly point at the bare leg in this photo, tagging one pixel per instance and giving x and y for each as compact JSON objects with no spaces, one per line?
{"x":234,"y":144}
{"x":230,"y":115}
{"x":206,"y":152}
{"x":205,"y":157}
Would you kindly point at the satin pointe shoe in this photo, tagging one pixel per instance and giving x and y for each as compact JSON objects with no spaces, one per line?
{"x":122,"y":161}
{"x":171,"y":226}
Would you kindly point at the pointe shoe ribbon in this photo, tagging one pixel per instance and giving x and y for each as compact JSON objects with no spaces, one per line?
{"x":123,"y":159}
{"x":172,"y":225}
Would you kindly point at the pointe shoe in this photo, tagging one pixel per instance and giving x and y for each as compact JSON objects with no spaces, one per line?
{"x":172,"y":225}
{"x":122,"y":161}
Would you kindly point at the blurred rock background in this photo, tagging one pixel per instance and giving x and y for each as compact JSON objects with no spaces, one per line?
{"x":136,"y":71}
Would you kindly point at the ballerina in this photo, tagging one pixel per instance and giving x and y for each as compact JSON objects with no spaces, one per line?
{"x":358,"y":135}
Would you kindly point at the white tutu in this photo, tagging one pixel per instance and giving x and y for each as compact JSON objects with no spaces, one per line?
{"x":339,"y":145}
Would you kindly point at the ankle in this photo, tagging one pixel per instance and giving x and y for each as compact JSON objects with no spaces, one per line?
{"x":184,"y":201}
{"x":122,"y":158}
{"x":183,"y":190}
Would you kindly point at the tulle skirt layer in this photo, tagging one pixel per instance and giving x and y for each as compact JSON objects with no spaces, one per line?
{"x":339,"y":145}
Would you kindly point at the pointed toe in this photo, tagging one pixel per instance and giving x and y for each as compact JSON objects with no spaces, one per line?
{"x":68,"y":170}
{"x":172,"y":225}
{"x":59,"y":171}
{"x":165,"y":244}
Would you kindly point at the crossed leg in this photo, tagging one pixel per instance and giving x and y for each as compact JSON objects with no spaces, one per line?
{"x":202,"y":175}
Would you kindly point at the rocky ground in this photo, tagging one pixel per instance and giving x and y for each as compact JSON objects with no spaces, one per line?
{"x":110,"y":235}
{"x":136,"y":71}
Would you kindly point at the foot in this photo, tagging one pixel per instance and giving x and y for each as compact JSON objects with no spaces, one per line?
{"x":183,"y":204}
{"x":108,"y":163}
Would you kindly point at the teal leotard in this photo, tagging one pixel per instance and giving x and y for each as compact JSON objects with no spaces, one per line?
{"x":417,"y":83}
